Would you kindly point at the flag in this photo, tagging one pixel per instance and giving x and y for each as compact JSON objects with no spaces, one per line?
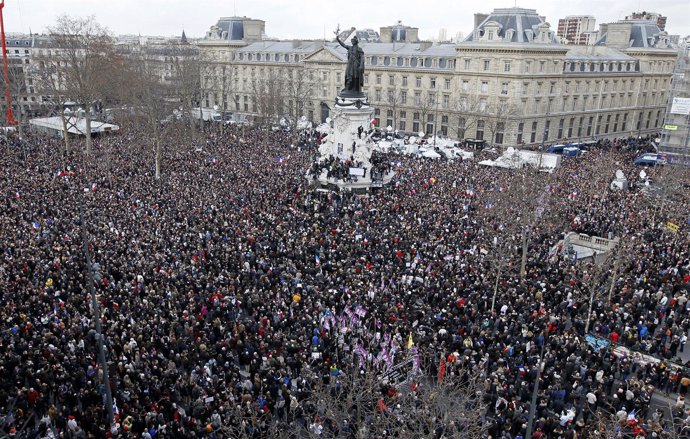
{"x":317,"y":260}
{"x":280,"y":160}
{"x":215,"y":160}
{"x":672,"y":227}
{"x":442,"y":370}
{"x":93,"y":187}
{"x":35,"y":225}
{"x":410,"y":342}
{"x":470,"y":192}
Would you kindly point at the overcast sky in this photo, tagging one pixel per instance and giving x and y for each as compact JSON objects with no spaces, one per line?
{"x":313,"y":18}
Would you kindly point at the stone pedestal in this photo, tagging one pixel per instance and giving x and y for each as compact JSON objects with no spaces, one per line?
{"x":349,"y":141}
{"x":348,"y":138}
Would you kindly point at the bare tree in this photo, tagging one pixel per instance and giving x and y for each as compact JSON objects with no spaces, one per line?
{"x":298,"y":91}
{"x":148,"y":95}
{"x":498,"y":119}
{"x":467,"y":110}
{"x":188,"y":86}
{"x":269,"y":95}
{"x":83,"y":58}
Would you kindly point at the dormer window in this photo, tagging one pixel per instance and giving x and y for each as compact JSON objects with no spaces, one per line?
{"x":490,"y":35}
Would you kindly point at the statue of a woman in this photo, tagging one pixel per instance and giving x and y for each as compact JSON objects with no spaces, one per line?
{"x":354,"y":73}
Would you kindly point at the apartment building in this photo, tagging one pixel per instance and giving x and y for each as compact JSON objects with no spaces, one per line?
{"x":509,"y":82}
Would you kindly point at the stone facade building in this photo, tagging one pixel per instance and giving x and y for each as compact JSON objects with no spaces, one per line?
{"x":509,"y":82}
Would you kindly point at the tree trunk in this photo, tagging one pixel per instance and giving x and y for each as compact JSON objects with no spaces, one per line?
{"x":65,"y":133}
{"x":498,"y":279}
{"x":89,"y":140}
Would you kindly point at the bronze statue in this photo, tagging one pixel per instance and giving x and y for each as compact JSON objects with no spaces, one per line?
{"x":354,"y":73}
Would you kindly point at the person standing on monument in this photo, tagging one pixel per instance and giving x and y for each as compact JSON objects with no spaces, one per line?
{"x":354,"y":73}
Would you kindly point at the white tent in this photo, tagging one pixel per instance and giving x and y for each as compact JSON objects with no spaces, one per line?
{"x":430,"y":153}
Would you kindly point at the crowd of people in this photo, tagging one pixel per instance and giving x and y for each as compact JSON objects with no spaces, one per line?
{"x":235,"y":301}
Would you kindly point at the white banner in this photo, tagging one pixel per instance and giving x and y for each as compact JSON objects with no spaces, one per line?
{"x":680,"y":106}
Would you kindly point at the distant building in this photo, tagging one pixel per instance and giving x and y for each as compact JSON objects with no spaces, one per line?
{"x":574,"y":29}
{"x":659,"y":19}
{"x":399,"y":33}
{"x":509,"y":82}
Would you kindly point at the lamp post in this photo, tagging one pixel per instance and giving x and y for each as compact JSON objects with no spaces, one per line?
{"x":546,"y":120}
{"x":435,"y":119}
{"x":639,"y":124}
{"x":535,"y":392}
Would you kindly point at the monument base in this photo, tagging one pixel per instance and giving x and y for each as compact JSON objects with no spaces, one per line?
{"x":344,"y":161}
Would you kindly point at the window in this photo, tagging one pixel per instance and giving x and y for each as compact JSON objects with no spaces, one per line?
{"x":579,"y":126}
{"x":465,"y":85}
{"x":480,"y":130}
{"x":461,"y":128}
{"x":615,"y":123}
{"x":528,"y":65}
{"x":432,"y":82}
{"x":608,"y":122}
{"x":391,"y":80}
{"x":570,"y":127}
{"x":485,"y":87}
{"x":403,"y":97}
{"x":533,"y":135}
{"x":324,"y":76}
{"x":415,"y":122}
{"x":521,"y":127}
{"x":525,"y":88}
{"x":598,"y":125}
{"x":432,"y":98}
{"x":391,"y":96}
{"x":378,"y":79}
{"x":560,"y":129}
{"x":389,"y":118}
{"x":237,"y":102}
{"x":447,"y":83}
{"x":403,"y":120}
{"x":366,"y":79}
{"x":418,"y":81}
{"x":541,"y":66}
{"x":404,"y":81}
{"x":430,"y":124}
{"x":482,"y":105}
{"x":552,"y":88}
{"x":377,"y":116}
{"x":378,"y":95}
{"x":504,"y":88}
{"x":500,"y":128}
{"x":446,"y":101}
{"x":487,"y":64}
{"x":625,"y":121}
{"x":418,"y":98}
{"x":547,"y":126}
{"x":589,"y":126}
{"x":467,"y":64}
{"x":490,"y":35}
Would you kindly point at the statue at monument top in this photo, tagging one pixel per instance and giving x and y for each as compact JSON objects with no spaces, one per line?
{"x":354,"y":72}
